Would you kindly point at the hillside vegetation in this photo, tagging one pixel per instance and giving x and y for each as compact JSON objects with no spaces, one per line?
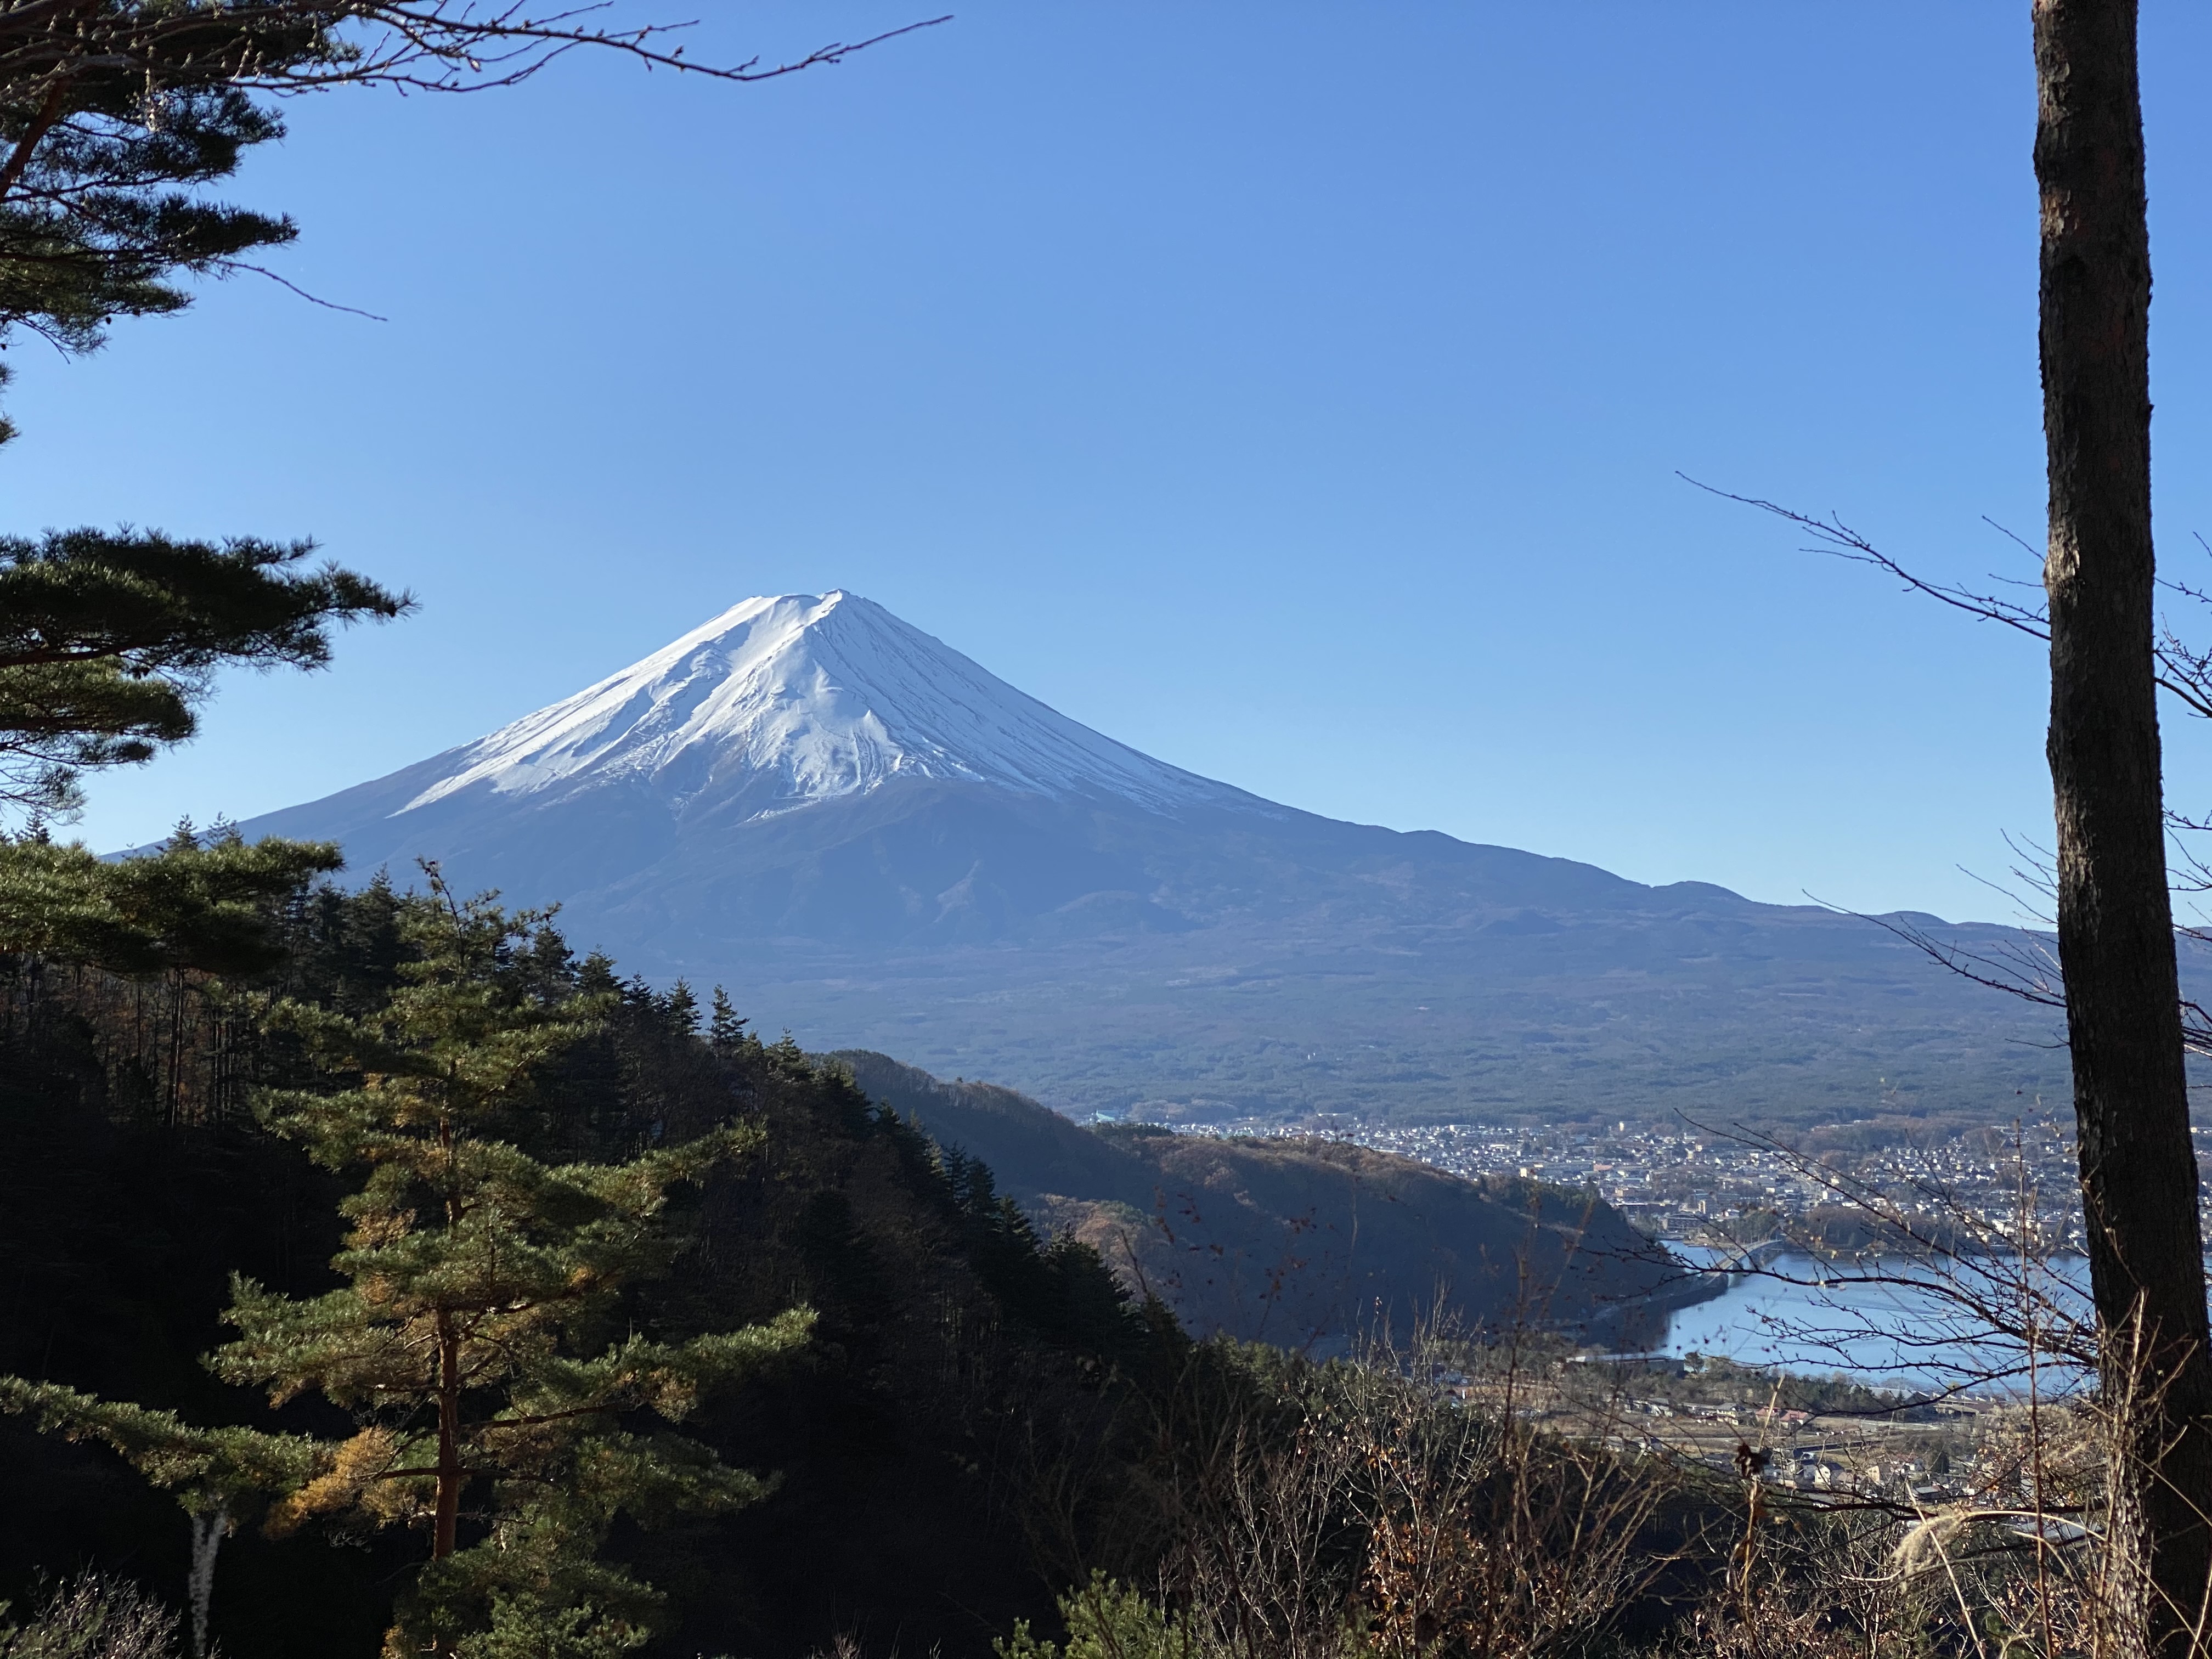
{"x":963,"y":1373}
{"x":1304,"y":1243}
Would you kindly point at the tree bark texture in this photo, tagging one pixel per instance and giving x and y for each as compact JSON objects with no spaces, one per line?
{"x":2115,"y":917}
{"x":446,"y":1523}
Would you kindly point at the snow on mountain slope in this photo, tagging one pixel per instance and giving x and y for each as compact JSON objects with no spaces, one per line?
{"x":800,"y":698}
{"x":864,"y":836}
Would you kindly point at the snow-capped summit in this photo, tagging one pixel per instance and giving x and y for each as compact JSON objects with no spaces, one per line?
{"x":788,"y":701}
{"x":860,"y":832}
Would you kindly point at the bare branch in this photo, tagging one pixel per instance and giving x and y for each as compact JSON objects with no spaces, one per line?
{"x":2183,"y":670}
{"x":1835,"y":538}
{"x":424,"y":46}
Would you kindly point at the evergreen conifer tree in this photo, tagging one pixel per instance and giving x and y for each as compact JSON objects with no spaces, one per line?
{"x":477,"y":1340}
{"x":223,"y":1476}
{"x":724,"y":1029}
{"x":108,"y":642}
{"x":683,"y":1007}
{"x":208,"y":904}
{"x":476,"y":1337}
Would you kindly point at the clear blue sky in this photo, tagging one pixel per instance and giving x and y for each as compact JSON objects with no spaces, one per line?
{"x":1294,"y":391}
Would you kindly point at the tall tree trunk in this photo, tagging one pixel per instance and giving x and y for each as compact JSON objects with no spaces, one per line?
{"x":446,"y":1530}
{"x":2115,"y":919}
{"x":445,"y":1519}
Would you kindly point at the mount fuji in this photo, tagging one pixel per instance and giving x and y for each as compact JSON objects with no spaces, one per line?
{"x":872,"y":839}
{"x":777,"y":704}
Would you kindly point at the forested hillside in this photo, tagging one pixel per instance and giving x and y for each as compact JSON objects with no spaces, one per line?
{"x":946,"y":1444}
{"x":1304,"y":1243}
{"x":961,"y":1436}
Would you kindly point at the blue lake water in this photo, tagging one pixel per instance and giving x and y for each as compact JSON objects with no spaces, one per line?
{"x":1929,"y":1333}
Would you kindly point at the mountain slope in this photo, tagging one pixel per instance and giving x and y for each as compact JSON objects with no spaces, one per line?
{"x":1305,"y":1242}
{"x":775,"y":704}
{"x":865,"y":835}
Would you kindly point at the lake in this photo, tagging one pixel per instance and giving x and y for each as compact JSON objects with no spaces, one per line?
{"x":1807,"y":1315}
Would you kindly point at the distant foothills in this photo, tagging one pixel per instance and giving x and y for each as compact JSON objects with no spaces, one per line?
{"x":869,"y":838}
{"x":1303,"y":1242}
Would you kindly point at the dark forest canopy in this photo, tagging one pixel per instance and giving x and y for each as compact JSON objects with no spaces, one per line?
{"x":953,"y":1349}
{"x":978,"y":1419}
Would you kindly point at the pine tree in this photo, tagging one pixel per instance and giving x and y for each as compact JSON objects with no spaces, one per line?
{"x":683,"y":1007}
{"x":212,"y":906}
{"x":108,"y":642}
{"x":474,"y":1338}
{"x":724,"y":1029}
{"x":223,"y":1476}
